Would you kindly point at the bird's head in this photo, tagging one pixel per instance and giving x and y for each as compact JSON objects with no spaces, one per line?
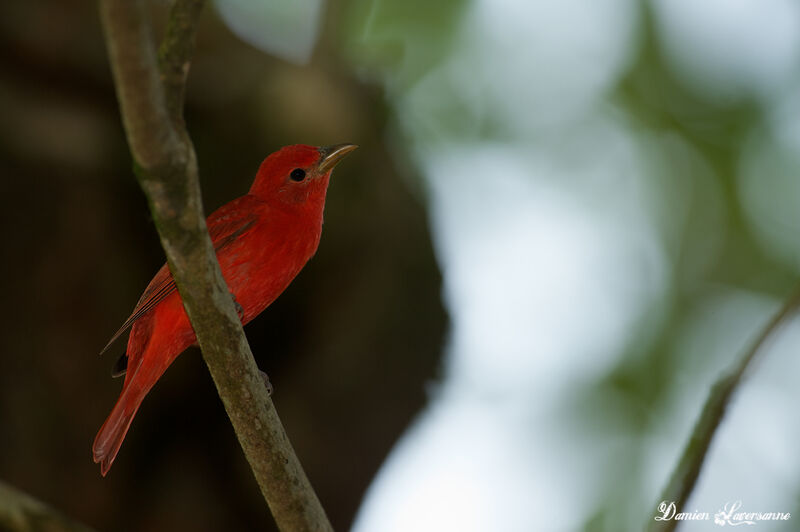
{"x":298,"y":175}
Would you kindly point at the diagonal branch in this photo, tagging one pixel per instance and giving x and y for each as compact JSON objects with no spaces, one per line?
{"x":685,"y":475}
{"x":150,"y":90}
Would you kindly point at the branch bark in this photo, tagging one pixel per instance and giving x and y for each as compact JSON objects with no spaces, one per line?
{"x":685,"y":475}
{"x":150,"y":90}
{"x":20,"y":511}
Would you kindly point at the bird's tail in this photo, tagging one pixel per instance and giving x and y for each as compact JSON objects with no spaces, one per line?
{"x":109,"y":438}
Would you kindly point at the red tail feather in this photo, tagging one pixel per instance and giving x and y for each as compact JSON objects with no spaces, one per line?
{"x":109,"y":438}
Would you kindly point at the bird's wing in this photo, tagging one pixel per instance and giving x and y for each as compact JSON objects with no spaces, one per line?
{"x":225,"y":225}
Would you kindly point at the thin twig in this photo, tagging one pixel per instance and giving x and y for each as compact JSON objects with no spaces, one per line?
{"x":150,"y":90}
{"x":685,"y":475}
{"x":19,"y":511}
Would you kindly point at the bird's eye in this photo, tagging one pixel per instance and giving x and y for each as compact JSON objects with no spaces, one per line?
{"x":298,"y":174}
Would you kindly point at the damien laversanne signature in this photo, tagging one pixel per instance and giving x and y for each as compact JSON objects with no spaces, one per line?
{"x":730,"y":514}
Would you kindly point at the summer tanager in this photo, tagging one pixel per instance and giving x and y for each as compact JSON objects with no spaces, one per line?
{"x":262,"y":240}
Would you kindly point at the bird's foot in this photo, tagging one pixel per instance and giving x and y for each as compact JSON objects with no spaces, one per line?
{"x":239,"y":309}
{"x":267,"y":383}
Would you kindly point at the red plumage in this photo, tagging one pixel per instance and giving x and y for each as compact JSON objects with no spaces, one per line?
{"x":262,"y":241}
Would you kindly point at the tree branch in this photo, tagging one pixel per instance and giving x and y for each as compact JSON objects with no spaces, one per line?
{"x":150,"y":91}
{"x":175,"y":53}
{"x":685,"y":475}
{"x":20,"y":511}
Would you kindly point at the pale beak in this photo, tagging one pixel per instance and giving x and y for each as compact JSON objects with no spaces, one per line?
{"x":330,"y":155}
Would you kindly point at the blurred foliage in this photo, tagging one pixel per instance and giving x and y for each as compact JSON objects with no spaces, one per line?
{"x":406,"y":39}
{"x":701,"y":138}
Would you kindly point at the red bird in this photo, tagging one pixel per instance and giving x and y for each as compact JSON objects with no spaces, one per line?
{"x":262,"y":240}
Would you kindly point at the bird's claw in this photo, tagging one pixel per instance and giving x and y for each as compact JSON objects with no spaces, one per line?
{"x":267,"y":383}
{"x":239,"y":309}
